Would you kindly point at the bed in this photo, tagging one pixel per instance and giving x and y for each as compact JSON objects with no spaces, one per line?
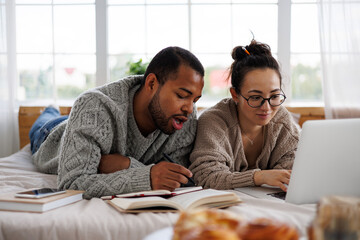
{"x":95,"y":219}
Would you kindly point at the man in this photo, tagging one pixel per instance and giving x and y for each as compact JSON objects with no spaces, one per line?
{"x":116,"y":134}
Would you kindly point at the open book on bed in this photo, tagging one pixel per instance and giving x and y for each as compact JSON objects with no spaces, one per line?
{"x":162,"y":193}
{"x":201,"y":198}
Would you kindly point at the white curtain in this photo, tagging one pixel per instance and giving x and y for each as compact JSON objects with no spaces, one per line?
{"x":339,"y":23}
{"x":9,"y":141}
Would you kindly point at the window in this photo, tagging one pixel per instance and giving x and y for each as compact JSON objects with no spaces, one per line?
{"x":209,"y":29}
{"x":3,"y":53}
{"x":55,"y":49}
{"x":306,"y":85}
{"x":67,"y":46}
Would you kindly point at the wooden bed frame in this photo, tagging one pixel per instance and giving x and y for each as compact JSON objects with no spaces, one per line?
{"x":28,"y":115}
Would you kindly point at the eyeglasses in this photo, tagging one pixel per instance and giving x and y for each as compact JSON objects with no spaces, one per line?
{"x":257,"y":101}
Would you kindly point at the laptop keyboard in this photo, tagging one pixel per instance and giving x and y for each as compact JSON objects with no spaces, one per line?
{"x":280,"y":195}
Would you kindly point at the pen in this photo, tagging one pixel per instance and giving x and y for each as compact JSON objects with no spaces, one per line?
{"x":172,"y":161}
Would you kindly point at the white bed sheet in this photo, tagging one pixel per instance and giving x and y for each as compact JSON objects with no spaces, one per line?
{"x":95,"y":219}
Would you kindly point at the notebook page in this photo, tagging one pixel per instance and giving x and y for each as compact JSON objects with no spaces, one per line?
{"x":203,"y":196}
{"x":145,"y":202}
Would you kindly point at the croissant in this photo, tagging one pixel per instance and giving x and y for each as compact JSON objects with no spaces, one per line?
{"x":207,"y":224}
{"x":211,"y":224}
{"x":267,"y":229}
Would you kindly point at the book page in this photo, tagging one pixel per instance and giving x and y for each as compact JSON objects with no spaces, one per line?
{"x":183,"y":190}
{"x":145,"y":202}
{"x":145,"y":193}
{"x":203,"y":198}
{"x":164,"y":193}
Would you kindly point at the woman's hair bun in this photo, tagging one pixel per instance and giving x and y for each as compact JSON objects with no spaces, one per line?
{"x":256,"y":55}
{"x":258,"y":48}
{"x":255,"y":48}
{"x":239,"y":53}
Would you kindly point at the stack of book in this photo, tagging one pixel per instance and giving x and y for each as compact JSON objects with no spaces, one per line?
{"x":9,"y":202}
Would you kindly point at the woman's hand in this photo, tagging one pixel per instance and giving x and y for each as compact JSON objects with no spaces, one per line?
{"x":273,"y":177}
{"x":111,"y":163}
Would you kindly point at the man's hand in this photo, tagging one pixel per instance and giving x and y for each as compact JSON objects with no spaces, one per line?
{"x":168,"y":176}
{"x":111,"y":163}
{"x":274,"y":177}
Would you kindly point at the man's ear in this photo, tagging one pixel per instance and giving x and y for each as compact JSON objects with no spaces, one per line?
{"x":234,"y":95}
{"x":151,"y":83}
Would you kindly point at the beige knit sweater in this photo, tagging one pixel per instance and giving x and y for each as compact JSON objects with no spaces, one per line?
{"x":218,"y":159}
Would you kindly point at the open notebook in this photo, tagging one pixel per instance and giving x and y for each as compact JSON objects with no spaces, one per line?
{"x":327,"y":162}
{"x":210,"y":198}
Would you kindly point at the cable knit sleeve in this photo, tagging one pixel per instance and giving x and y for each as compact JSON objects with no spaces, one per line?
{"x":88,"y":135}
{"x":216,"y":147}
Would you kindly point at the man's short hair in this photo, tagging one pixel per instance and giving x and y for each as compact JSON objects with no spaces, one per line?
{"x":167,"y":62}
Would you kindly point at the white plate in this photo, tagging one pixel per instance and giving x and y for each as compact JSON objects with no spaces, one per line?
{"x":163,"y":234}
{"x":167,"y":234}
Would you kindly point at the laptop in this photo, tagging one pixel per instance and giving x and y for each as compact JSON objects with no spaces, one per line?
{"x":327,"y":162}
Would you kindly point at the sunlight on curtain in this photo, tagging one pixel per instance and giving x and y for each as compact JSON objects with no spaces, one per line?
{"x":8,"y":121}
{"x":339,"y":23}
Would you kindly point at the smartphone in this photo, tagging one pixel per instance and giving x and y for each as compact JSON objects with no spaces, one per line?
{"x":39,"y":193}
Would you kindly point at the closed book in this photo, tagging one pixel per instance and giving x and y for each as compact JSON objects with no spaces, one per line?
{"x":202,"y":198}
{"x":8,"y":201}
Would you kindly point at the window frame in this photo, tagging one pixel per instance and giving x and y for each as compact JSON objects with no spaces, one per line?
{"x":101,"y":34}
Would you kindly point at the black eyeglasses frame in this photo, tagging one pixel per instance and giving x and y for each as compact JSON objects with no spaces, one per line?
{"x":265,"y":99}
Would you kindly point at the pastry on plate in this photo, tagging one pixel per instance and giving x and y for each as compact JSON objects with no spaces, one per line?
{"x":214,"y":224}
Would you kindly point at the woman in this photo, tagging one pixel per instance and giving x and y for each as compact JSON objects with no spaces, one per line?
{"x":249,"y":139}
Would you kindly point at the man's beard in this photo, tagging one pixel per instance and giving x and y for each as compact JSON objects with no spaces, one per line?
{"x":158,"y":116}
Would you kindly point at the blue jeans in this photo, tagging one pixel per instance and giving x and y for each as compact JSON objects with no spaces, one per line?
{"x":39,"y":131}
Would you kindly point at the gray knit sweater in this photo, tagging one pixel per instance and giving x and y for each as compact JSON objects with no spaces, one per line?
{"x":218,"y":159}
{"x":102,"y":122}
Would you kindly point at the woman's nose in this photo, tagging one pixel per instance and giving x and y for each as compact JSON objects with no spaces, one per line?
{"x":266,"y":105}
